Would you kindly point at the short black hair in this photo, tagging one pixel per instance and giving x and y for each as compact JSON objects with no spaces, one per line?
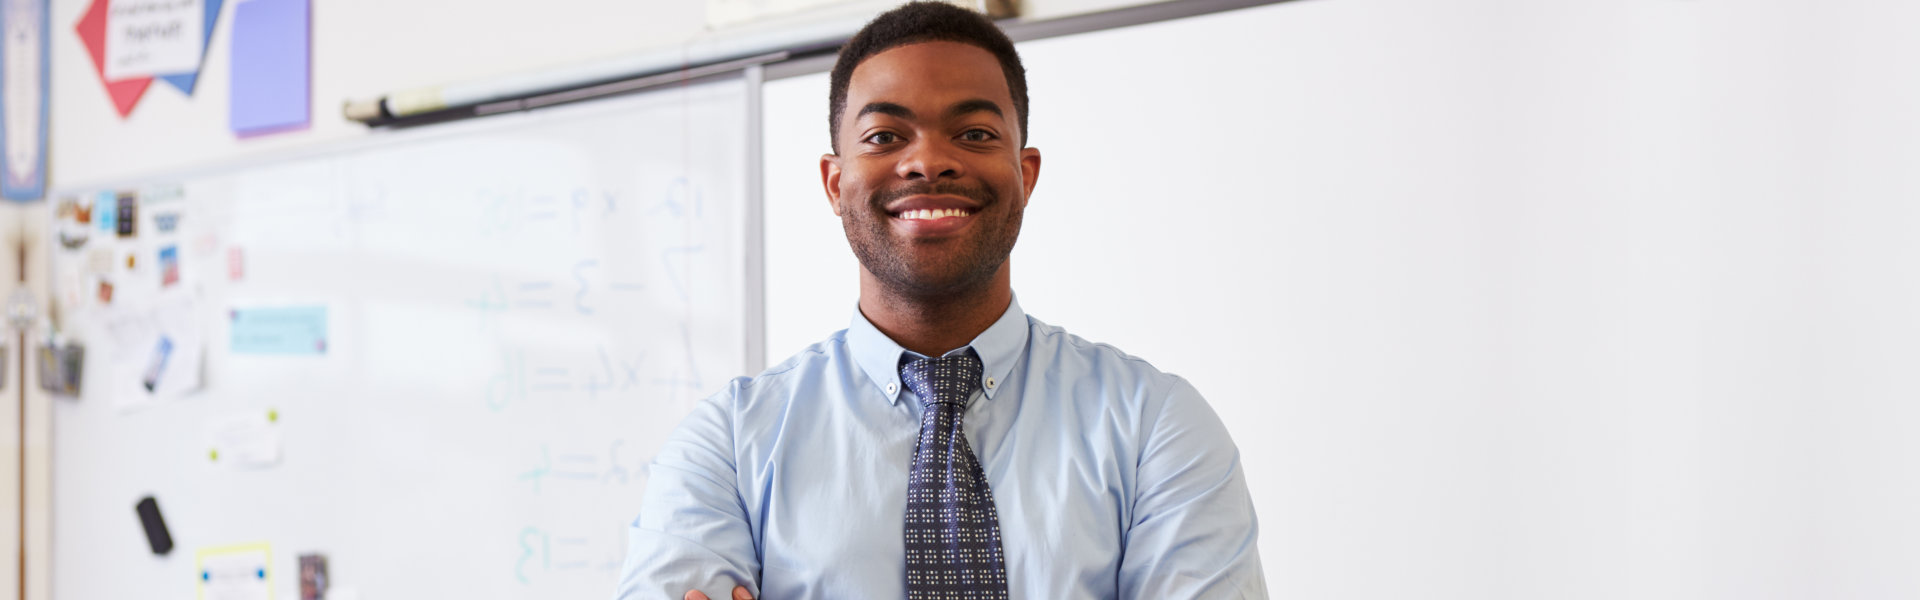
{"x":917,"y":22}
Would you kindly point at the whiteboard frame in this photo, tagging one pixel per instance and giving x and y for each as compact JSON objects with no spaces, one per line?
{"x":751,"y":74}
{"x":1021,"y":30}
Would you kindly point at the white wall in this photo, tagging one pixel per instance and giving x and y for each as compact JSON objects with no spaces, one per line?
{"x":1550,"y":299}
{"x":361,"y":49}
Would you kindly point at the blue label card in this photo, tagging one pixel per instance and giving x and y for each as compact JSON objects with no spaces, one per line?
{"x":295,"y":330}
{"x":104,"y":205}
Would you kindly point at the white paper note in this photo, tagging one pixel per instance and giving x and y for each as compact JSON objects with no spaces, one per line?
{"x":157,"y":351}
{"x":242,"y":572}
{"x":154,"y":37}
{"x":249,"y":440}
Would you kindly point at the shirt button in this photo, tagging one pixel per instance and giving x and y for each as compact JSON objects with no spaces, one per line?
{"x":892,"y":387}
{"x":990,"y":383}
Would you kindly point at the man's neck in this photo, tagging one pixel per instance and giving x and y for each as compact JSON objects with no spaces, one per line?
{"x":934,"y":326}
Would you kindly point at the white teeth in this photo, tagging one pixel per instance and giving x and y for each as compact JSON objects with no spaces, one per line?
{"x":927,"y":214}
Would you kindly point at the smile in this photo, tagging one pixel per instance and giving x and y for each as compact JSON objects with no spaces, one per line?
{"x":930,"y":214}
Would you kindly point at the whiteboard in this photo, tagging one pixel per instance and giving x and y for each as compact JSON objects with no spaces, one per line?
{"x":519,"y":309}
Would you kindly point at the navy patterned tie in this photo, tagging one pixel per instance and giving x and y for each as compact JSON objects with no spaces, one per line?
{"x":953,"y":534}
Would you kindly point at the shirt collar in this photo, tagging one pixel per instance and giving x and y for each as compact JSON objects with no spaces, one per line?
{"x":999,"y":346}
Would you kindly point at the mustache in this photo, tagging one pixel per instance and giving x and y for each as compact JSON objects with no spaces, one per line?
{"x":981,"y":194}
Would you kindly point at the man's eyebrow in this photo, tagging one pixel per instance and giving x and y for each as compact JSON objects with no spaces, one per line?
{"x":885,"y":108}
{"x":973,"y":106}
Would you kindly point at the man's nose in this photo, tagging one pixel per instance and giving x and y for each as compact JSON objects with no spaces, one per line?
{"x":929,"y":159}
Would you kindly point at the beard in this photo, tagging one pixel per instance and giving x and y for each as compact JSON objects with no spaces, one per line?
{"x":905,"y":268}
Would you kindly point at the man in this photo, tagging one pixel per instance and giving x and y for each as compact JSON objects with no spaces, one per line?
{"x":945,"y":445}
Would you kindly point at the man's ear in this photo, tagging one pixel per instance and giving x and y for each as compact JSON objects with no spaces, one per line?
{"x":1029,"y":171}
{"x":830,"y":178}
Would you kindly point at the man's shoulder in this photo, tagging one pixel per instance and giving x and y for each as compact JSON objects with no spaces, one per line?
{"x":829,"y":353}
{"x":818,"y":355}
{"x":1056,"y":350}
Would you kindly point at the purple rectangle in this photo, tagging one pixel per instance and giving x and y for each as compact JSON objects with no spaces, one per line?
{"x":271,"y":66}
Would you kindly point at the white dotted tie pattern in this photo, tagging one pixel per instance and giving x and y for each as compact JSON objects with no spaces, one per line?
{"x":953,"y":533}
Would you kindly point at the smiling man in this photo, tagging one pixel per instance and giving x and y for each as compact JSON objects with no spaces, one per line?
{"x":944,"y":445}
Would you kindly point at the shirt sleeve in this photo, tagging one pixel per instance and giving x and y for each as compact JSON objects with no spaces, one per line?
{"x":1193,"y":533}
{"x":692,"y":532}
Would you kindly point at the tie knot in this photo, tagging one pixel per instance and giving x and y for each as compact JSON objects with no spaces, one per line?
{"x":949,"y":379}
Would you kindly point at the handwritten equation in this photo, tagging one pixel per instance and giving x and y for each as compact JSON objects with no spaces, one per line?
{"x":509,"y":211}
{"x":541,"y":553}
{"x":515,"y":382}
{"x":585,"y":291}
{"x":617,"y":465}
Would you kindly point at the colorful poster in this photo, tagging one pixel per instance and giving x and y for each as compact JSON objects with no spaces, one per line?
{"x":92,"y":28}
{"x":133,"y":42}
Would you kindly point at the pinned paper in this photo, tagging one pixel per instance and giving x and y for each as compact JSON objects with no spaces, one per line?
{"x":103,"y":210}
{"x":241,"y":572}
{"x":99,"y":261}
{"x":279,"y":330}
{"x":157,"y":351}
{"x":93,"y":33}
{"x":184,"y":81}
{"x":245,"y":440}
{"x":75,"y":222}
{"x":153,"y":37}
{"x":270,"y":67}
{"x":236,"y":264}
{"x":313,"y":577}
{"x":125,"y":207}
{"x":169,"y":266}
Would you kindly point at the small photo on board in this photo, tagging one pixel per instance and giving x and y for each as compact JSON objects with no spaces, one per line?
{"x":124,"y":213}
{"x":75,"y":219}
{"x":169,"y":266}
{"x":313,"y":577}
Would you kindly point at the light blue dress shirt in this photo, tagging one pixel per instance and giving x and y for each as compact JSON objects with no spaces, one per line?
{"x":1111,"y":478}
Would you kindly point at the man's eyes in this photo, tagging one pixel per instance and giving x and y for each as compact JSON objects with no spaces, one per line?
{"x":970,"y":135}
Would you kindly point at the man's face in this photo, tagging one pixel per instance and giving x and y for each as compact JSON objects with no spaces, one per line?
{"x":931,"y":178}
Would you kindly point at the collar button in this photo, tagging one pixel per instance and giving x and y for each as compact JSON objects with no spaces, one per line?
{"x":892,"y":387}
